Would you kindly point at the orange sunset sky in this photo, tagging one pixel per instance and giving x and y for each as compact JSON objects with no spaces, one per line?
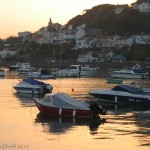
{"x":30,"y":15}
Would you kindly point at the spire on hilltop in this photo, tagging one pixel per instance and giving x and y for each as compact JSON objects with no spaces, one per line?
{"x":50,"y":22}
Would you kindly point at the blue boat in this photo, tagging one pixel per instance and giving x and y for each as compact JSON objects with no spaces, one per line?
{"x":130,"y":73}
{"x":32,"y":86}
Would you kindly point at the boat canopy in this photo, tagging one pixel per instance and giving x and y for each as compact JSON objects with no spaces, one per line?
{"x":138,"y":70}
{"x":34,"y":82}
{"x":130,"y":89}
{"x":64,"y":100}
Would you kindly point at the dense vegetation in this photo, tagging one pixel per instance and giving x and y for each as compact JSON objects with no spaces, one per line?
{"x":103,"y":17}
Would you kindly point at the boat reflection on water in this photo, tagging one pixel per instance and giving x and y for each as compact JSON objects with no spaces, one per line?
{"x":26,"y":100}
{"x":123,"y":108}
{"x":59,"y":125}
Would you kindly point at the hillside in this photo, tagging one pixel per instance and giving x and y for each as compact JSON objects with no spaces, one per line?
{"x":103,"y":17}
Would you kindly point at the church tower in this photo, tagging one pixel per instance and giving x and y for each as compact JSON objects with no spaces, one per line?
{"x":50,"y":22}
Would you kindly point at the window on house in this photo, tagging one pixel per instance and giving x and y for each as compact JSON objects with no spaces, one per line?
{"x":79,"y":43}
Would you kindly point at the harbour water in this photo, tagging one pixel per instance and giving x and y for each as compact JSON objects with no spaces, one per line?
{"x":22,"y":127}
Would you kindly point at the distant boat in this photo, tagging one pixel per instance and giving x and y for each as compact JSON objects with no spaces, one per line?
{"x":114,"y":81}
{"x":130,"y":73}
{"x":25,"y":68}
{"x":32,"y":86}
{"x":22,"y":68}
{"x":42,"y":74}
{"x":72,"y":71}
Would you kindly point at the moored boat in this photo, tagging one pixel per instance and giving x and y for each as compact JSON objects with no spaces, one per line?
{"x":114,"y":81}
{"x":42,"y":74}
{"x":61,"y":104}
{"x":130,"y":73}
{"x":31,"y":86}
{"x":72,"y":71}
{"x":124,"y":94}
{"x":25,"y":68}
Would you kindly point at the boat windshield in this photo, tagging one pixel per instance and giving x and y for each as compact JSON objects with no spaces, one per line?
{"x":72,"y":67}
{"x":130,"y":89}
{"x":47,"y":98}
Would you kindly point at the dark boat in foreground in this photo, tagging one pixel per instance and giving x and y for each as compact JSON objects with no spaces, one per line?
{"x":123,"y":94}
{"x":61,"y":104}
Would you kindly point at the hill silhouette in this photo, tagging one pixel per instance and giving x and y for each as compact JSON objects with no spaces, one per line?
{"x":104,"y":17}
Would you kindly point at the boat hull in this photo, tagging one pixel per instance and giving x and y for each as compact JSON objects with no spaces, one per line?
{"x":28,"y":90}
{"x":122,"y":99}
{"x":128,"y":76}
{"x":57,"y":111}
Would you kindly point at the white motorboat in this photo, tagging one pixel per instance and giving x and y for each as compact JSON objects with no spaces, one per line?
{"x":25,"y":68}
{"x":31,"y":86}
{"x":42,"y":74}
{"x":72,"y":71}
{"x":124,"y":94}
{"x":130,"y":73}
{"x":61,"y":104}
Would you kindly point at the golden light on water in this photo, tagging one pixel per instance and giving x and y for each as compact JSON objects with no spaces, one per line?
{"x":21,"y":123}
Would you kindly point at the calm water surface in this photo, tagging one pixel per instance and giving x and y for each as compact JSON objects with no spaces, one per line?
{"x":23,"y":127}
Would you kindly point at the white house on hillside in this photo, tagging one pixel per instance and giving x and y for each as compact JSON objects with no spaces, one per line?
{"x":142,"y":7}
{"x":87,"y":57}
{"x":80,"y":31}
{"x":124,"y":41}
{"x":7,"y":53}
{"x":85,"y":42}
{"x":141,"y":38}
{"x":24,"y":35}
{"x":106,"y":42}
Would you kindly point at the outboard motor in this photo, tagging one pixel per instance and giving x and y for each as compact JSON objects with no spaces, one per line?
{"x":96,"y":109}
{"x":47,"y":89}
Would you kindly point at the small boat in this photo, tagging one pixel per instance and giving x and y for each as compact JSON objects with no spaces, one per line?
{"x":72,"y":71}
{"x":123,"y":94}
{"x":130,"y":73}
{"x":114,"y":81}
{"x":14,"y":67}
{"x":42,"y":74}
{"x":31,"y":86}
{"x":25,"y":68}
{"x":61,"y":104}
